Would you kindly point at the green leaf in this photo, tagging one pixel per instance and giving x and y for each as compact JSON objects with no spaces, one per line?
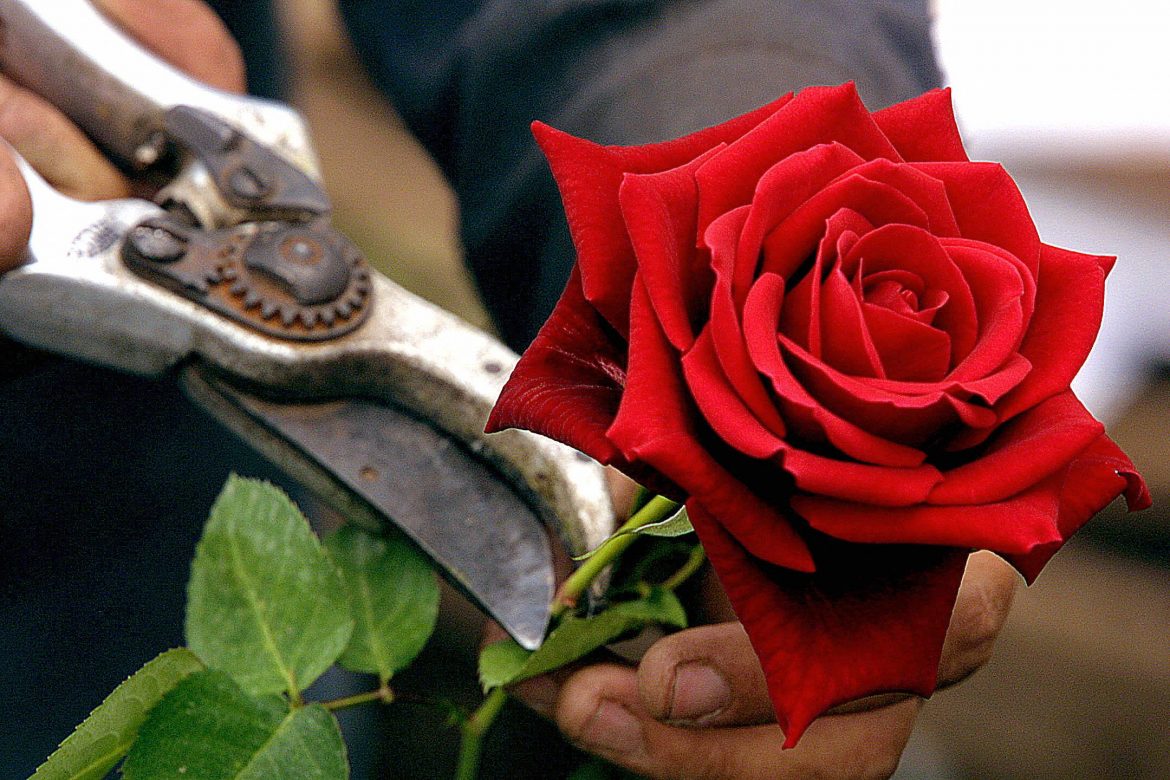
{"x":208,"y":728}
{"x":677,"y":524}
{"x":501,"y":663}
{"x":103,"y":738}
{"x":393,"y":596}
{"x":265,"y":603}
{"x":504,"y":663}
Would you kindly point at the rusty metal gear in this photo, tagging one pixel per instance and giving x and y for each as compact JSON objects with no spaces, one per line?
{"x":300,"y":281}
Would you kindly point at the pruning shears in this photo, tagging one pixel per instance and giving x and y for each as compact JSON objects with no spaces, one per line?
{"x":233,"y":280}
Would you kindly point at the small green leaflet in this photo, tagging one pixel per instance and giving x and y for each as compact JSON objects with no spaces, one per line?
{"x":504,"y":663}
{"x":677,"y":524}
{"x":393,"y":596}
{"x":264,"y":603}
{"x":100,"y":742}
{"x":208,"y":728}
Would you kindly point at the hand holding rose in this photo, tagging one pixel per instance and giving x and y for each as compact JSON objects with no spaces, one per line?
{"x":845,"y":346}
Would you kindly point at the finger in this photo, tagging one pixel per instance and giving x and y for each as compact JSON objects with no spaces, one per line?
{"x":55,"y":148}
{"x":601,"y":710}
{"x":705,"y":676}
{"x":185,"y":33}
{"x":985,"y":598}
{"x":15,"y":213}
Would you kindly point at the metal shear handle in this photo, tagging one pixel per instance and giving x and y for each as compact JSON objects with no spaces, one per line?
{"x":68,"y":52}
{"x":79,"y":296}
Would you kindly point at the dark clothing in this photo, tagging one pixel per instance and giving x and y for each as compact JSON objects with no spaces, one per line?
{"x":469,"y":78}
{"x":105,"y":480}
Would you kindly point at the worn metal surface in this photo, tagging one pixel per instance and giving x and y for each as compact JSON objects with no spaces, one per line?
{"x":459,"y":512}
{"x":66,"y":51}
{"x":75,"y":295}
{"x":299,"y":281}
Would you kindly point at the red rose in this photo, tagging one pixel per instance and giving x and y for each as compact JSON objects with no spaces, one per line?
{"x":845,"y":346}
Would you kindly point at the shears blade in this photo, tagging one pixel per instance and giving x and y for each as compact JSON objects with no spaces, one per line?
{"x":376,"y":463}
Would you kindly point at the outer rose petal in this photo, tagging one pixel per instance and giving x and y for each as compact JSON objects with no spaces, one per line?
{"x":1017,"y":525}
{"x":1029,"y":448}
{"x":589,"y":175}
{"x":1095,"y":478}
{"x":568,"y":384}
{"x":870,"y":620}
{"x":660,"y":210}
{"x":817,"y":115}
{"x":923,"y":128}
{"x":1070,"y":299}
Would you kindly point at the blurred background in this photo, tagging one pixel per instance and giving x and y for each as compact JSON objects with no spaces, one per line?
{"x":1071,"y":95}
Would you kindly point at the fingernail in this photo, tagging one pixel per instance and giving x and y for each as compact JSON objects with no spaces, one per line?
{"x":613,"y":729}
{"x":699,"y":691}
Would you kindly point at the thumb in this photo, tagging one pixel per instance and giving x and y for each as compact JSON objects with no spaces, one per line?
{"x":705,"y":676}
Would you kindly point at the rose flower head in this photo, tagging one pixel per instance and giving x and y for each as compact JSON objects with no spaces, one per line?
{"x":844,"y":345}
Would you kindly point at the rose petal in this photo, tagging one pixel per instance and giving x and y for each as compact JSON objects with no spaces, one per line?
{"x":859,"y":482}
{"x":1070,"y":299}
{"x":801,"y":410}
{"x":1023,"y":452}
{"x":1018,"y":525}
{"x":908,"y":248}
{"x":988,"y":207}
{"x":909,"y":350}
{"x":734,"y":424}
{"x":817,"y":115}
{"x":1100,"y":474}
{"x":721,"y":406}
{"x":724,"y":326}
{"x":800,"y":319}
{"x":780,"y":191}
{"x":906,"y":412}
{"x":660,"y":210}
{"x":589,"y":176}
{"x":654,"y":426}
{"x":788,"y":246}
{"x":923,"y":128}
{"x":998,"y":291}
{"x":846,"y":343}
{"x":1028,"y":298}
{"x":871,"y":620}
{"x":568,"y":384}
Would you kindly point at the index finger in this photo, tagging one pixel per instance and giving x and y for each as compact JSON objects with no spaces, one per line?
{"x":15,"y":212}
{"x":185,"y":33}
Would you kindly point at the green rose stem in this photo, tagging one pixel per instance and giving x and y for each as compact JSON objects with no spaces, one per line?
{"x":474,"y":728}
{"x":382,"y":694}
{"x":653,"y":511}
{"x":693,"y":563}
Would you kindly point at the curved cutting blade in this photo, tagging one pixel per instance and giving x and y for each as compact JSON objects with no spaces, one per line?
{"x":374,"y":463}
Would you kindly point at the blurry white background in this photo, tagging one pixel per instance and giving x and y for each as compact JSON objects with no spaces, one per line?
{"x":1073,"y":97}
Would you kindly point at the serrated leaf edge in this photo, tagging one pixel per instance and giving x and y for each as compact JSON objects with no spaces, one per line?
{"x":120,"y":748}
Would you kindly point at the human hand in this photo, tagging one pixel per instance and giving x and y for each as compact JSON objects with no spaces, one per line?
{"x":697,"y":706}
{"x":186,"y":33}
